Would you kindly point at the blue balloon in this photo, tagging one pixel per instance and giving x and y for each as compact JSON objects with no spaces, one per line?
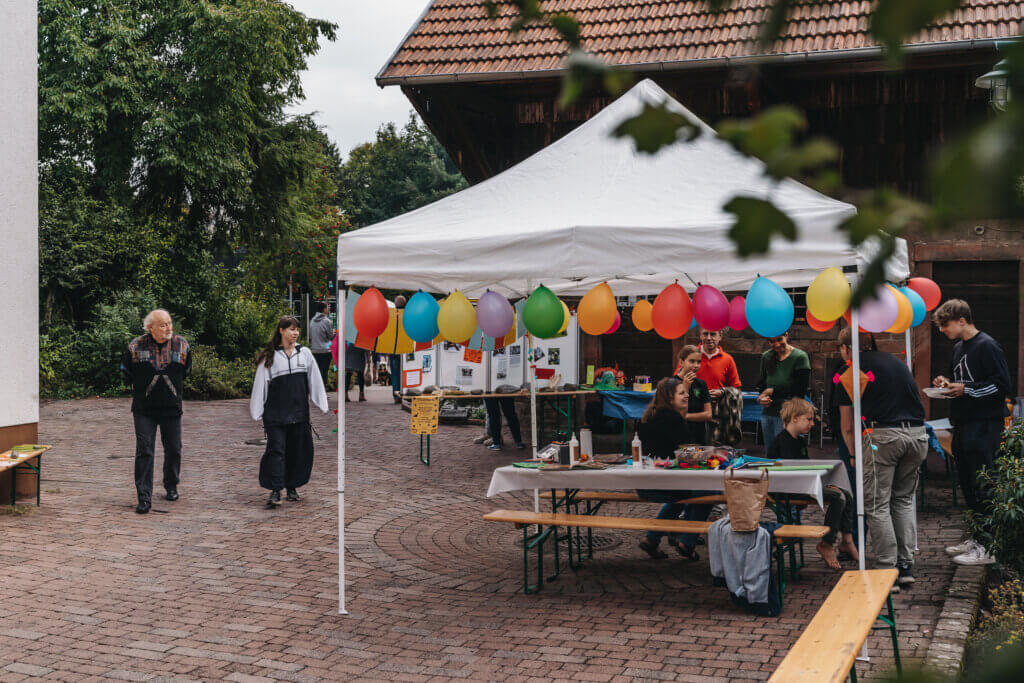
{"x":917,"y":303}
{"x":693,"y":323}
{"x":420,"y":317}
{"x":769,"y":309}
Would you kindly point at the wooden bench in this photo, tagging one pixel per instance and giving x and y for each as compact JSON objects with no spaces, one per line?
{"x":523,"y":519}
{"x":23,"y":461}
{"x":826,"y":653}
{"x":626,"y":497}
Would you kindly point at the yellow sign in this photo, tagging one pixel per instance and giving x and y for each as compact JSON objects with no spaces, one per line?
{"x":424,"y":414}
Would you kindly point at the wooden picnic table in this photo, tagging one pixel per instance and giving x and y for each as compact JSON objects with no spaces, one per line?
{"x":22,"y":460}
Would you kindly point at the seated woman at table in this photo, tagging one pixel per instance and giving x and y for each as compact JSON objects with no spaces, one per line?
{"x":798,"y":418}
{"x":662,"y":429}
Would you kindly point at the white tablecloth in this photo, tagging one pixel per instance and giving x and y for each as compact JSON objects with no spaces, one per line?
{"x":625,"y":478}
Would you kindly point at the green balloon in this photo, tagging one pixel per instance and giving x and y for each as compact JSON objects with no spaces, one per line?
{"x":542,"y":313}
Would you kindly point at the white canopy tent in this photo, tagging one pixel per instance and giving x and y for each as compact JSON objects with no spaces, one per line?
{"x":590,"y":208}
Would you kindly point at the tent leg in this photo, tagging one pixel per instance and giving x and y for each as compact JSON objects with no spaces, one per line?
{"x":858,"y":446}
{"x":341,"y":453}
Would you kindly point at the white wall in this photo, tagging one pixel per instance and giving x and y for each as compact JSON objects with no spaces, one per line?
{"x":19,"y":241}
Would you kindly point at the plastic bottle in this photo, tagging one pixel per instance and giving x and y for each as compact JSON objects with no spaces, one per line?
{"x":586,"y":444}
{"x":574,"y":450}
{"x":638,"y":463}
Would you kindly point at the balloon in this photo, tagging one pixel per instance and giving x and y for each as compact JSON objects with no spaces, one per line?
{"x":769,"y":309}
{"x":370,"y":314}
{"x":878,"y":313}
{"x":917,"y":303}
{"x":818,"y":325}
{"x":848,"y":318}
{"x":738,"y":314}
{"x":928,"y":290}
{"x":456,"y":319}
{"x":543,"y":314}
{"x":905,"y":314}
{"x":615,"y":325}
{"x":693,"y":324}
{"x":672,"y":312}
{"x":596,"y":311}
{"x":334,"y":347}
{"x":566,"y":317}
{"x":829,"y":295}
{"x":494,"y":314}
{"x":642,"y":316}
{"x":710,"y":308}
{"x":420,"y":317}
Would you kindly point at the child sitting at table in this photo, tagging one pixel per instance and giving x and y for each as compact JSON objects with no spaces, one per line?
{"x":798,"y":418}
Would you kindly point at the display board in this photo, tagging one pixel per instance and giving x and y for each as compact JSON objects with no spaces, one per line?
{"x":508,"y":365}
{"x":419,"y":369}
{"x":459,"y":366}
{"x":560,"y":354}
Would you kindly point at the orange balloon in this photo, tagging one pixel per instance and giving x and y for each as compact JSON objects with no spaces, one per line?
{"x":928,"y":290}
{"x":596,"y":312}
{"x":906,"y":312}
{"x":672,"y":312}
{"x":818,"y":325}
{"x":642,"y":316}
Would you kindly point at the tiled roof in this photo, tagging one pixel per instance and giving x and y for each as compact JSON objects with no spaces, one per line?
{"x":455,"y":37}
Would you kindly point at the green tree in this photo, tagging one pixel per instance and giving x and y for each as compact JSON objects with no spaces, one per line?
{"x":398,"y":172}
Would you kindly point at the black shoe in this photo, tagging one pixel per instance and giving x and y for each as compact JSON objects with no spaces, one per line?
{"x":494,"y":447}
{"x":274,"y":500}
{"x":293,"y":495}
{"x":143,"y":507}
{"x":652,"y":550}
{"x":686,"y":551}
{"x":906,"y":576}
{"x":172,"y":494}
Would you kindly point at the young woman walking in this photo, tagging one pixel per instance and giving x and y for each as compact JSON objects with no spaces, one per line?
{"x":287,"y":378}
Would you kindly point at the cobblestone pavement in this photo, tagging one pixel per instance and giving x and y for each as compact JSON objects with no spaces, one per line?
{"x":217,"y":587}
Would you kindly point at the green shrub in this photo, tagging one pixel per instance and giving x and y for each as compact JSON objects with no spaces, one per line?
{"x":1001,"y":527}
{"x":56,"y":354}
{"x":214,"y":378}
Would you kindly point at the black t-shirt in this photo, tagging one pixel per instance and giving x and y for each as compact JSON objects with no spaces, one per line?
{"x":787,"y":447}
{"x":980,"y":365}
{"x":891,"y":394}
{"x":663,"y":433}
{"x":699,"y":397}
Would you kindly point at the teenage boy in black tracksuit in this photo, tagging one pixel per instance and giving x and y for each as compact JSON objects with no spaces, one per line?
{"x":979,"y":386}
{"x":156,"y":365}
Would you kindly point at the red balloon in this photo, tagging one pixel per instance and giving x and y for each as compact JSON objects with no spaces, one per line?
{"x":370,"y":314}
{"x":672,"y":312}
{"x":738,"y":314}
{"x":710,"y":308}
{"x":928,"y":290}
{"x":615,"y":325}
{"x":334,"y":347}
{"x":818,"y":325}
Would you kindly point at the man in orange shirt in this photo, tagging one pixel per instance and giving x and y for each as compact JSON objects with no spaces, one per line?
{"x":718,"y":370}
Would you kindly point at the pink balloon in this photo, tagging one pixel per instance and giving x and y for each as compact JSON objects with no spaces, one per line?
{"x":615,"y":325}
{"x":878,"y":313}
{"x":710,"y":308}
{"x":738,"y":314}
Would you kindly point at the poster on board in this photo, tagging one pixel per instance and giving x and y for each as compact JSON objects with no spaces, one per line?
{"x":560,"y":354}
{"x":457,"y":367}
{"x":419,"y":367}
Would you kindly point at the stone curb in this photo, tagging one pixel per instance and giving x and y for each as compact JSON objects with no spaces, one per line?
{"x":949,"y":641}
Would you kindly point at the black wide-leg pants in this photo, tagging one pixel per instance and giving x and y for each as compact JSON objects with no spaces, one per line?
{"x":288,"y":460}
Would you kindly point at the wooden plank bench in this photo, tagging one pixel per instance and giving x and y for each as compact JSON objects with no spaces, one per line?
{"x":523,"y":519}
{"x":826,"y":653}
{"x":22,"y":460}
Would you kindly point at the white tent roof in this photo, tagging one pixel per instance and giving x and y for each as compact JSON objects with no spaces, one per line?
{"x":590,"y":208}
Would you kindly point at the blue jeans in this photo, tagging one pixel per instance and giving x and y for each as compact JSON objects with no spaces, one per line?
{"x":771,"y":425}
{"x":671,"y":510}
{"x":395,"y":368}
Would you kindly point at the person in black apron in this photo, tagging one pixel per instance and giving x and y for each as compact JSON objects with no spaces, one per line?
{"x":287,"y":378}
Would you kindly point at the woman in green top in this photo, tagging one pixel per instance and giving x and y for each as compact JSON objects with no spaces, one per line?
{"x":785,"y":373}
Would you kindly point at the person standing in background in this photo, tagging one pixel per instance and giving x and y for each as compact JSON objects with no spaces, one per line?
{"x":321,"y":332}
{"x":785,"y":374}
{"x":395,"y":362}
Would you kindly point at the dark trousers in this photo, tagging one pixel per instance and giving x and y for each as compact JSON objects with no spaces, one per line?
{"x":851,"y":474}
{"x":974,"y":446}
{"x":840,"y":511}
{"x":395,"y":366}
{"x":288,"y":459}
{"x":323,"y":363}
{"x":671,"y":510}
{"x":507,"y":405}
{"x":145,"y":450}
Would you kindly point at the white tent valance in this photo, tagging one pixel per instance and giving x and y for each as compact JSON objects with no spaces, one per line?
{"x":590,"y":208}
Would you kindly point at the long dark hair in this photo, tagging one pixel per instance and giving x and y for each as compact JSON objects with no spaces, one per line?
{"x":267,"y":354}
{"x":663,"y":397}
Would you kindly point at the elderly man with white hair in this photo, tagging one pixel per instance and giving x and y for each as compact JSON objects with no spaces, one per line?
{"x":156,"y":365}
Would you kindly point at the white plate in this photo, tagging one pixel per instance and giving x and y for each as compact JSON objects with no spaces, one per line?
{"x":935,"y":392}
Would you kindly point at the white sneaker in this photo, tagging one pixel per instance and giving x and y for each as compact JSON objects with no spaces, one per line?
{"x":974,"y":556}
{"x":961,"y":548}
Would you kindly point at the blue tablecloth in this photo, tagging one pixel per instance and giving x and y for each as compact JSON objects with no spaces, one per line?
{"x":751,"y":408}
{"x":630,"y":405}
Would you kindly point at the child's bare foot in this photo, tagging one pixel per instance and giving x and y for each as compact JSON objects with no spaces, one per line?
{"x":828,"y":553}
{"x":850,"y":548}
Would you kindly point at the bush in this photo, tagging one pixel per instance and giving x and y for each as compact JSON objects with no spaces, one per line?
{"x":215,"y":378}
{"x":56,"y":354}
{"x":1001,"y":528}
{"x":1003,"y":625}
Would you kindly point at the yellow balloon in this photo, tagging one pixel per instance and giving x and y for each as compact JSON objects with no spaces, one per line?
{"x":456,"y":318}
{"x":642,"y":316}
{"x":828,"y":297}
{"x":905,"y":317}
{"x":596,"y":312}
{"x":565,"y":317}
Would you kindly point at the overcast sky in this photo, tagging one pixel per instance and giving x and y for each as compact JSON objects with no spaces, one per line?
{"x":339,"y":84}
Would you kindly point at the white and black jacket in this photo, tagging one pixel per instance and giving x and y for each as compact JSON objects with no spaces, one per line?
{"x":279,"y":393}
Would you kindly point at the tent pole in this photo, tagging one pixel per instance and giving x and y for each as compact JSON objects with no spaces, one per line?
{"x":342,"y":385}
{"x":858,"y":447}
{"x":910,"y":361}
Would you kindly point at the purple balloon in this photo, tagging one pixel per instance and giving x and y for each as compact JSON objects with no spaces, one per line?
{"x":494,"y":314}
{"x":878,"y":313}
{"x":710,"y":308}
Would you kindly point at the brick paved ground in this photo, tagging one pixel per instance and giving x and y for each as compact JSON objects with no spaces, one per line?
{"x":215,"y":586}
